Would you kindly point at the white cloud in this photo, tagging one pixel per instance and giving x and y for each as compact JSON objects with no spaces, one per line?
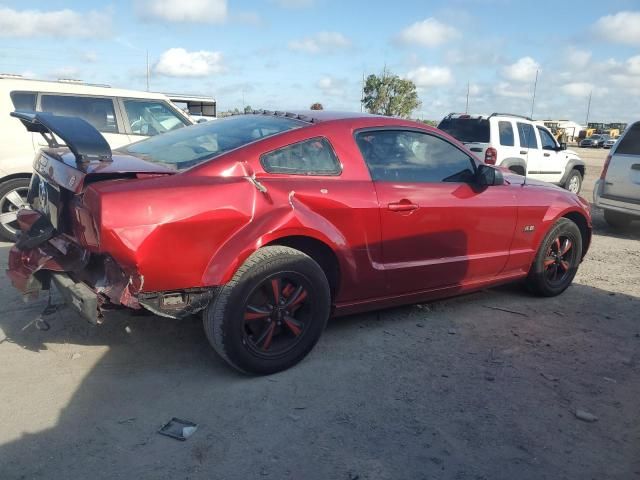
{"x":633,"y":65}
{"x":506,"y":89}
{"x":332,"y":86}
{"x":321,"y":42}
{"x":58,"y":23}
{"x":577,"y":89}
{"x":577,"y":58}
{"x":187,"y":11}
{"x":178,"y":62}
{"x":294,"y":3}
{"x":428,"y":33}
{"x":524,"y":70}
{"x":622,"y":27}
{"x":430,"y":76}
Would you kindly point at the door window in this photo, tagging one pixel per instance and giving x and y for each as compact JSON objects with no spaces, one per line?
{"x":527,"y":135}
{"x":98,"y":111}
{"x":311,"y":157}
{"x":149,"y":117}
{"x":548,"y":142}
{"x":408,"y":156}
{"x":506,"y":133}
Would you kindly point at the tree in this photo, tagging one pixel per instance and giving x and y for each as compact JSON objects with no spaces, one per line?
{"x":390,"y":95}
{"x":248,"y":109}
{"x":317,"y":106}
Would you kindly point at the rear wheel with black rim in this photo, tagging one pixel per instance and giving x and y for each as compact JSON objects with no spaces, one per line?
{"x":272,"y":312}
{"x":13,"y":196}
{"x":557,"y":260}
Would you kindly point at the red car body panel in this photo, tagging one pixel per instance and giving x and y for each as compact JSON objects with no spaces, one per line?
{"x":173,"y":231}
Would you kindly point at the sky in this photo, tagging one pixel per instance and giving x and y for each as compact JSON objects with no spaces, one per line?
{"x":288,"y":54}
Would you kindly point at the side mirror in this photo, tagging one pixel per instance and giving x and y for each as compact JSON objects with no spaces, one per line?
{"x":488,"y":176}
{"x":563,"y":145}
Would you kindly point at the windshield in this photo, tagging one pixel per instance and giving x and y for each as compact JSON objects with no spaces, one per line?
{"x":469,"y":130}
{"x":594,"y":137}
{"x":192,"y":145}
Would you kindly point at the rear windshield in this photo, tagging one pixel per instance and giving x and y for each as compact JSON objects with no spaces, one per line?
{"x":466,"y":129}
{"x":630,"y":143}
{"x":192,"y":145}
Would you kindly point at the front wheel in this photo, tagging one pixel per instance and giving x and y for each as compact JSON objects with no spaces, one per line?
{"x":556,"y":262}
{"x":272,"y":312}
{"x":573,"y":182}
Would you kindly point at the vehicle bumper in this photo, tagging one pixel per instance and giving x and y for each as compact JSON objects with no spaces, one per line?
{"x":616,"y":204}
{"x":88,"y":283}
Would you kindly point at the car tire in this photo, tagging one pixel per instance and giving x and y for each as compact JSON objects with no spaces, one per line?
{"x":617,"y":219}
{"x":8,"y":190}
{"x":272,"y":312}
{"x":573,"y":183}
{"x":556,"y":262}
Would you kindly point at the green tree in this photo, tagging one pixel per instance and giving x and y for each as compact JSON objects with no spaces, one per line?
{"x":248,"y":109}
{"x":317,"y":106}
{"x":390,"y":95}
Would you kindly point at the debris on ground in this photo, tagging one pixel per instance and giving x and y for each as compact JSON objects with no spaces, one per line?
{"x":500,"y":309}
{"x":452,"y":331}
{"x":75,"y":356}
{"x":178,"y":429}
{"x":546,"y":376}
{"x":585,"y":416}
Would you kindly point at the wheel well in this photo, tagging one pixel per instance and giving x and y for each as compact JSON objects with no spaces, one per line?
{"x":320,"y":252}
{"x":15,"y":176}
{"x":579,"y":168}
{"x":581,"y":222}
{"x":517,"y":169}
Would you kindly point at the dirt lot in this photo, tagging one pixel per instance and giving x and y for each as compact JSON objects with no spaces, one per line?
{"x":457,"y":389}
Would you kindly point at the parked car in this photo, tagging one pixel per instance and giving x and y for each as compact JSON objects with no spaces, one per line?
{"x":610,"y":142}
{"x":269,"y":223}
{"x":122,"y":116}
{"x":617,"y":191}
{"x":519,"y":144}
{"x":595,"y":141}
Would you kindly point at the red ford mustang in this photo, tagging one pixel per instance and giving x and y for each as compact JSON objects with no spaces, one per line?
{"x":271,"y":222}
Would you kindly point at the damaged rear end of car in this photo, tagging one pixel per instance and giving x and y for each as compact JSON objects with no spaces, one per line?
{"x":99,"y":230}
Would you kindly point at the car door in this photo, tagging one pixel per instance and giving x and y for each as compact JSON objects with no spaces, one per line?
{"x":438,"y":227}
{"x":622,"y":176}
{"x":529,"y":149}
{"x":551,"y":163}
{"x":101,"y":112}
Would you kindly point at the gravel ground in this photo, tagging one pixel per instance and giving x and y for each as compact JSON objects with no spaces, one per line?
{"x":486,"y":386}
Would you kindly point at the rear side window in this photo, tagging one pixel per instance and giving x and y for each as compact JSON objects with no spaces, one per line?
{"x":630,"y":143}
{"x":98,"y":111}
{"x":470,"y":130}
{"x":311,"y":157}
{"x":527,"y":136}
{"x":506,"y":133}
{"x":23,"y":101}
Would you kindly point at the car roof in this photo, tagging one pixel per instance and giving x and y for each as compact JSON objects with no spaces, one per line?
{"x":72,"y":87}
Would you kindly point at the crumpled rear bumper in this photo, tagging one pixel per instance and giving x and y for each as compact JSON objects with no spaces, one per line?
{"x":87,"y":283}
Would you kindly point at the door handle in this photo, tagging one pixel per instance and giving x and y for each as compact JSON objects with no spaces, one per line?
{"x":523,"y":152}
{"x":402,"y":206}
{"x":547,"y":154}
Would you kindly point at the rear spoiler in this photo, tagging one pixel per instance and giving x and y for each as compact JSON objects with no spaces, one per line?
{"x":84,"y":141}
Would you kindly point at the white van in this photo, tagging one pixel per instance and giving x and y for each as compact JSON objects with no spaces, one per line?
{"x":122,"y":116}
